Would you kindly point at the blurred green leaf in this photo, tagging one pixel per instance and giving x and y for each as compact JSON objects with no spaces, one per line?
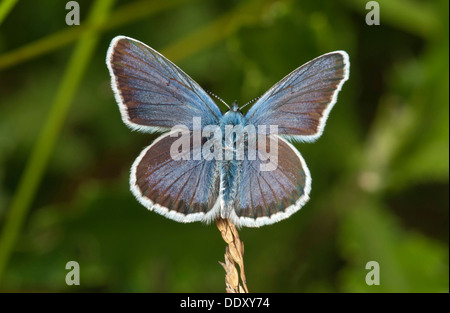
{"x":409,"y":262}
{"x":5,"y":7}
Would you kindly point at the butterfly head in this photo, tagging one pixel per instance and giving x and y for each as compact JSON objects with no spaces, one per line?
{"x":233,"y":116}
{"x":235,"y":106}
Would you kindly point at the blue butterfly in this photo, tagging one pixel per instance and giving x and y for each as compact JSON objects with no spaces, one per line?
{"x":154,"y":95}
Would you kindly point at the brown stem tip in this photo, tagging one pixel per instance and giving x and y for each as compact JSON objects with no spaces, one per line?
{"x":234,"y":253}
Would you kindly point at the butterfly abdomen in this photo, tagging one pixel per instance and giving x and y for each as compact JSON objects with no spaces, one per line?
{"x":230,"y":184}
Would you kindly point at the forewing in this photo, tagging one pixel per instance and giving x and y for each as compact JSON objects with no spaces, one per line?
{"x":182,"y":190}
{"x":266,"y":197}
{"x":153,"y":93}
{"x":300,"y":103}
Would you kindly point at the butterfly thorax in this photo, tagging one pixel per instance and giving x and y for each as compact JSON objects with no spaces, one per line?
{"x":232,"y":125}
{"x":232,"y":118}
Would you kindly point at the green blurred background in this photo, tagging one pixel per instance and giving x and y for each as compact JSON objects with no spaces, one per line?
{"x":380,"y":170}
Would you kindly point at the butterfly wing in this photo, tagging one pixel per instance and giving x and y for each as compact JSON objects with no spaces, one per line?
{"x":179,"y":189}
{"x":267,"y":196}
{"x":300,"y":103}
{"x":153,"y":93}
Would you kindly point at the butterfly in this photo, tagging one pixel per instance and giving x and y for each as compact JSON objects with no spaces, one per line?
{"x":154,"y":95}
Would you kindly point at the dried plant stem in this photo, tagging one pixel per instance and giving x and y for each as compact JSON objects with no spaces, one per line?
{"x":234,"y":253}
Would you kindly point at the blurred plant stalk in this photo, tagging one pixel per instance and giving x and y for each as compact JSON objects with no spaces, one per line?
{"x":37,"y":163}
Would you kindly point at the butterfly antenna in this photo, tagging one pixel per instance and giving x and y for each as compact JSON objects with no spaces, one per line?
{"x":249,"y":102}
{"x":217,"y":97}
